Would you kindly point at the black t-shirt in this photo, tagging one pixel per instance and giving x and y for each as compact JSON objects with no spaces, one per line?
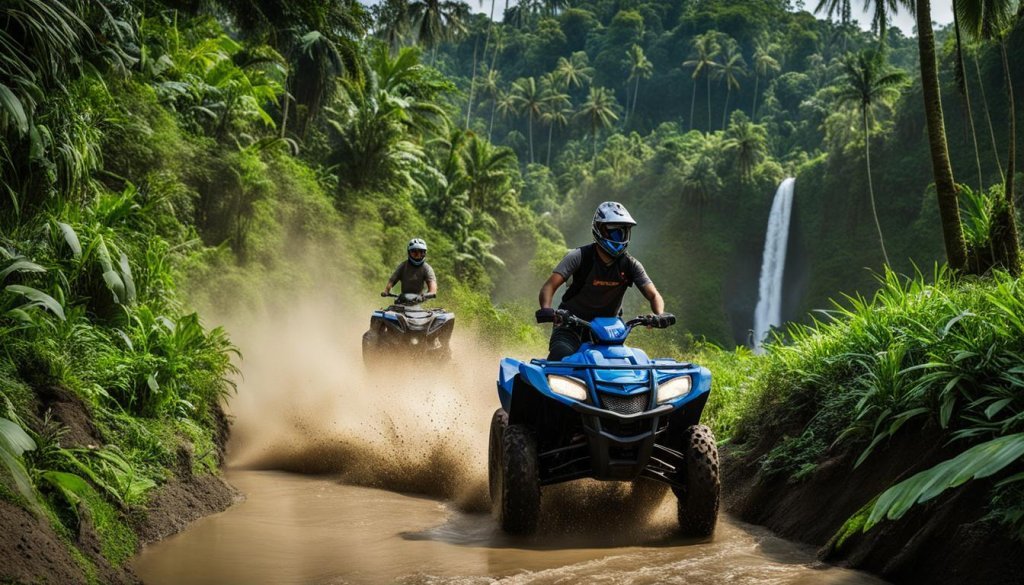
{"x":605,"y":285}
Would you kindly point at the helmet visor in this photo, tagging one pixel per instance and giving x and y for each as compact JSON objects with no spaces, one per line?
{"x":617,"y":233}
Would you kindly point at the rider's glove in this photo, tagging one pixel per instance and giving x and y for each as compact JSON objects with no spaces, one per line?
{"x":384,"y":293}
{"x":546,"y":315}
{"x":663,"y":320}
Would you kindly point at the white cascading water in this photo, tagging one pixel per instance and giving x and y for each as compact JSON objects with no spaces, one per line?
{"x":768,"y":313}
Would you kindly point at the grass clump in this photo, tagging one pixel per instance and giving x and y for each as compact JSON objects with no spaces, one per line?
{"x":944,"y":354}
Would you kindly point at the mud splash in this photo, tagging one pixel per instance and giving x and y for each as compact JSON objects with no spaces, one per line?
{"x":307,"y":404}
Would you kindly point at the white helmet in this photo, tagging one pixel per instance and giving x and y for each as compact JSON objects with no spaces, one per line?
{"x":611,"y":227}
{"x":416,"y":244}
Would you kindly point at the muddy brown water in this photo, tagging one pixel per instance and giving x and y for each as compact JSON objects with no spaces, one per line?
{"x":380,"y":477}
{"x":312,"y":529}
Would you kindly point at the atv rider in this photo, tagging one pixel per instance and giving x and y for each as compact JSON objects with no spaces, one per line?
{"x":600,"y":272}
{"x":414,"y":273}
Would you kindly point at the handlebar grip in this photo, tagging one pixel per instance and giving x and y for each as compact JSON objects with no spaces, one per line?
{"x":430,"y":296}
{"x":384,"y":294}
{"x":670,"y":319}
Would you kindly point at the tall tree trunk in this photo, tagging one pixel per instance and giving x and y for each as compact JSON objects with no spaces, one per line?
{"x":472,"y":84}
{"x":490,"y":127}
{"x":988,"y":116}
{"x":967,"y":98}
{"x":693,"y":100}
{"x":1004,"y":225}
{"x":636,"y":92}
{"x":551,"y":128}
{"x":531,"y":135}
{"x":945,"y":188}
{"x":725,"y":109}
{"x":286,"y":100}
{"x":871,"y":187}
{"x":708,"y":76}
{"x":636,"y":95}
{"x":593,"y":161}
{"x":753,"y":109}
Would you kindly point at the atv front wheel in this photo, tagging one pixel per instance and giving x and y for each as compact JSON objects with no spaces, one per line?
{"x":518,"y":504}
{"x":371,"y":353}
{"x":698,"y":503}
{"x":498,"y":424}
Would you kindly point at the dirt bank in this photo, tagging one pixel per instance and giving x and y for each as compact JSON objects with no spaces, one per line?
{"x":943,"y":542}
{"x":32,"y":551}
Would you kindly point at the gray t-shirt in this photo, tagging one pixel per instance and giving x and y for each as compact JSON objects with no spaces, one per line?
{"x":605,"y":286}
{"x":414,"y":279}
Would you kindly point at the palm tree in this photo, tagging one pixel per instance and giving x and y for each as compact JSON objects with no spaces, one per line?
{"x":702,"y":60}
{"x":747,"y":141}
{"x":487,"y":42}
{"x":528,"y":99}
{"x":378,"y":129}
{"x":640,"y":67}
{"x":489,"y":171}
{"x":963,"y":87}
{"x":492,"y":89}
{"x":993,"y":19}
{"x":942,"y":170}
{"x":392,"y":23}
{"x":945,"y":187}
{"x":436,"y":21}
{"x":869,"y":84}
{"x":837,"y":7}
{"x":575,"y":71}
{"x":555,"y":111}
{"x":598,"y":112}
{"x":730,"y":70}
{"x":764,"y":65}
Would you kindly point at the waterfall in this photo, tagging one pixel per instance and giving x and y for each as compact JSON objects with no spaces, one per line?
{"x":773,"y":264}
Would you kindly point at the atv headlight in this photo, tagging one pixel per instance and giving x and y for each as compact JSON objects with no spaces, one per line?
{"x":674,"y":388}
{"x":569,"y":387}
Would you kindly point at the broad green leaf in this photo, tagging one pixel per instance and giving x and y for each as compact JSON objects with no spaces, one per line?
{"x":13,"y":438}
{"x":21,"y":266}
{"x":22,"y":481}
{"x":115,"y":284}
{"x":12,"y":105}
{"x":978,"y":462}
{"x":38,"y":297}
{"x":13,"y":442}
{"x":994,"y":408}
{"x":129,"y":282}
{"x":71,"y":238}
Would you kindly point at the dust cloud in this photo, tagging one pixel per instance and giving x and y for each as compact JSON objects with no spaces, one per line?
{"x":307,"y":404}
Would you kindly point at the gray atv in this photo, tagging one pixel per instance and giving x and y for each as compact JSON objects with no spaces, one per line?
{"x":406,"y":329}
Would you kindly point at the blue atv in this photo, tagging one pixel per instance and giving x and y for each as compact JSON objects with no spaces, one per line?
{"x":607,"y":412}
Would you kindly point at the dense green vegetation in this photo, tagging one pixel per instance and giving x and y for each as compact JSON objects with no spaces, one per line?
{"x":156,"y":149}
{"x":161,"y":155}
{"x":942,"y":358}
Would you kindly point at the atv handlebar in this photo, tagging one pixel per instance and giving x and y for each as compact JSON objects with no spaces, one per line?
{"x":422,"y":297}
{"x":563,"y":317}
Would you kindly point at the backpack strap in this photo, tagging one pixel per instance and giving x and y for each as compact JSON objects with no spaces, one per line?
{"x":579,"y":276}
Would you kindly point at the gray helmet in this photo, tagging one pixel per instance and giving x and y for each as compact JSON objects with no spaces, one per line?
{"x":611,"y":227}
{"x":416,"y":244}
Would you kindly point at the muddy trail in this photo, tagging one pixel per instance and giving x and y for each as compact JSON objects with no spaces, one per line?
{"x":353,"y":476}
